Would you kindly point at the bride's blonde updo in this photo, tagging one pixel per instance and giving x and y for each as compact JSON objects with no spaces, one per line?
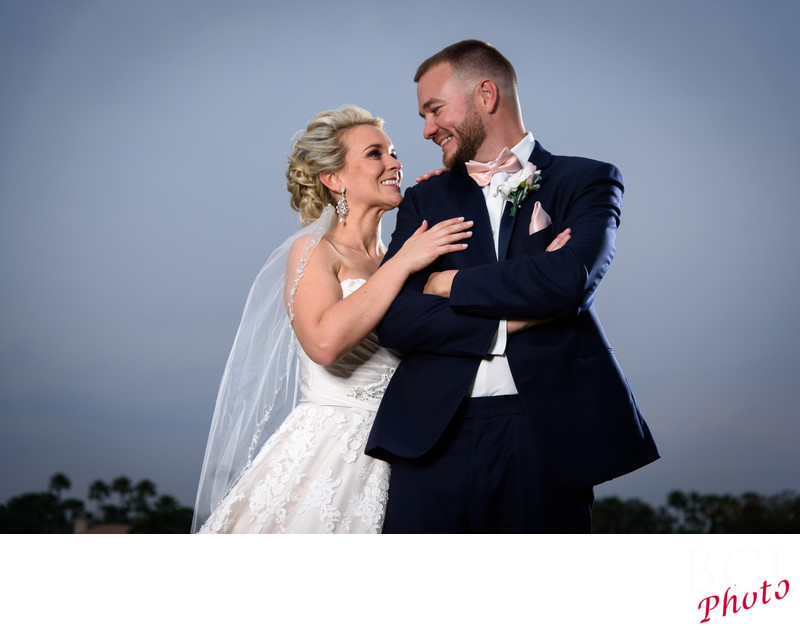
{"x":320,"y":149}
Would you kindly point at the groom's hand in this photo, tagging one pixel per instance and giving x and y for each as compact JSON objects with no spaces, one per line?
{"x":439,"y":283}
{"x":515,"y":326}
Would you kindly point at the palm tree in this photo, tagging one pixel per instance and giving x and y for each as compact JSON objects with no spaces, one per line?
{"x":58,"y":520}
{"x":98,"y":492}
{"x":144,"y":490}
{"x":122,"y":486}
{"x":166,"y":504}
{"x":58,"y":483}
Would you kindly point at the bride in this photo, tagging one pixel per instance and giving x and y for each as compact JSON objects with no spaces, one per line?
{"x":306,"y":373}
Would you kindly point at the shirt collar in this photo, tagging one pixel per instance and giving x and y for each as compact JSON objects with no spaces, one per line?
{"x":524,"y":148}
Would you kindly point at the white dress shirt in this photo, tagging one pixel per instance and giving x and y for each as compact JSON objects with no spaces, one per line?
{"x":494,"y":375}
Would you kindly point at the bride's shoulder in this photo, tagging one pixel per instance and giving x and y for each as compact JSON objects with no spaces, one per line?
{"x":306,"y":247}
{"x":313,"y":255}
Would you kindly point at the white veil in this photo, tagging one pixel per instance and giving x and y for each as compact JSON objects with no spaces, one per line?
{"x":259,"y":384}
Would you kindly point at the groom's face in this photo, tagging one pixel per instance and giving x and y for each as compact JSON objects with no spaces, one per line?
{"x":451,"y":120}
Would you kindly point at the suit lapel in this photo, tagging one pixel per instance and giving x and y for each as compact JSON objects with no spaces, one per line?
{"x":469,"y":199}
{"x":541,"y":158}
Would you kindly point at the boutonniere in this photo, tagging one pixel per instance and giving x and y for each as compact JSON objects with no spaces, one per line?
{"x":517,"y":187}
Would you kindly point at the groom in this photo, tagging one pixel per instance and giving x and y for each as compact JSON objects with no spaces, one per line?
{"x":509,"y":405}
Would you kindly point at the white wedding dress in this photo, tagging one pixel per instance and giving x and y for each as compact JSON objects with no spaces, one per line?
{"x":312,"y":475}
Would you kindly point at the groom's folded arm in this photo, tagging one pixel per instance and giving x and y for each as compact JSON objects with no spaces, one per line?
{"x":551,"y":284}
{"x":423,"y":322}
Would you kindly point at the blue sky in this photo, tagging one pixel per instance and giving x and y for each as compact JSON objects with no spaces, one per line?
{"x":142,"y":154}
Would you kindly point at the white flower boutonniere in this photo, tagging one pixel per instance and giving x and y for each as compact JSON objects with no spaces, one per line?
{"x":517,"y":187}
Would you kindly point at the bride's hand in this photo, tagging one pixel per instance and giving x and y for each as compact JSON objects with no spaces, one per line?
{"x":431,"y":174}
{"x":425,"y":245}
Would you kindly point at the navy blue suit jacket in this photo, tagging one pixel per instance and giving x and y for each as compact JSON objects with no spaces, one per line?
{"x":571,"y":386}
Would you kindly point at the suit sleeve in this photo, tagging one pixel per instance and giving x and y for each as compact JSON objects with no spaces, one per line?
{"x":559,"y":283}
{"x":423,"y":322}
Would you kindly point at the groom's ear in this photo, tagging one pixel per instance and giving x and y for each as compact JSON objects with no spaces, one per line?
{"x":487,"y":95}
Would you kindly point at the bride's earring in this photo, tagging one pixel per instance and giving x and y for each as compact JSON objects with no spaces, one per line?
{"x":341,"y":206}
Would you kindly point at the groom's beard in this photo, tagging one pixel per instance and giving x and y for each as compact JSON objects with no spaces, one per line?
{"x":469,"y":137}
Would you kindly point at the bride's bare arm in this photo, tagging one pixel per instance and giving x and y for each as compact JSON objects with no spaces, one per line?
{"x":327,"y":325}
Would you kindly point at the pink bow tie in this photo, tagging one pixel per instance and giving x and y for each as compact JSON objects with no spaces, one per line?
{"x":482,"y":172}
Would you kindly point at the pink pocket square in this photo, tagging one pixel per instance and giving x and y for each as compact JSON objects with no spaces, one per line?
{"x":539,"y":220}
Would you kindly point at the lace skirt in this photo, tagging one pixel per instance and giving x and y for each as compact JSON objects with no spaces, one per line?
{"x":311,"y":476}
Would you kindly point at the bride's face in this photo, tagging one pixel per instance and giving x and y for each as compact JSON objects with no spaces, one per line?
{"x":372,"y":174}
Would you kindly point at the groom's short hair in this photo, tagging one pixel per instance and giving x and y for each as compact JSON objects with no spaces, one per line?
{"x":473,"y":57}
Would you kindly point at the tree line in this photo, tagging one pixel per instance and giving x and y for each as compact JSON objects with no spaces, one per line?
{"x":694,"y":512}
{"x":141,"y":508}
{"x":138,"y":506}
